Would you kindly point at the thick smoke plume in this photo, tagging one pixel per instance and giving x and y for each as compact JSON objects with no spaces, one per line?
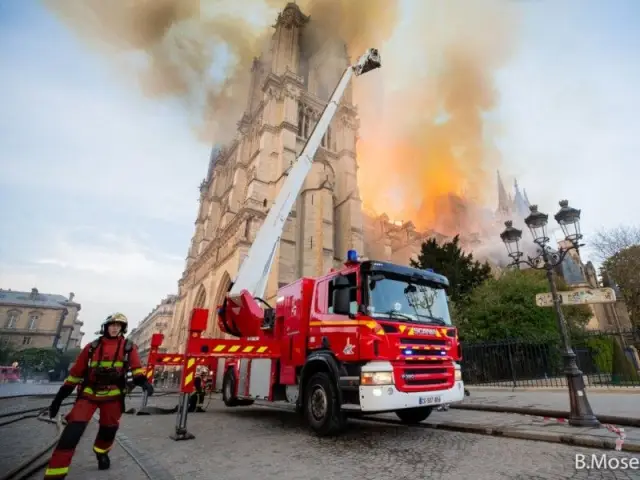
{"x":423,"y":115}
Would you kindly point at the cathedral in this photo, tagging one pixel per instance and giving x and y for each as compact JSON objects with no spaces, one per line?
{"x":287,"y":94}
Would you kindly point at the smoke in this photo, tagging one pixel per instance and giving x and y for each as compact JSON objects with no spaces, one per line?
{"x":196,"y":52}
{"x":424,"y":116}
{"x":435,"y":138}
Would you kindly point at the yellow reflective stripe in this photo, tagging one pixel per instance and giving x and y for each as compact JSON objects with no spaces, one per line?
{"x":56,"y":471}
{"x":107,"y":364}
{"x":72,"y":379}
{"x":102,"y":393}
{"x":100,"y":450}
{"x":138,"y":371}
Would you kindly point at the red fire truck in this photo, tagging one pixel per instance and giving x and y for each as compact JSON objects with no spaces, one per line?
{"x":372,"y":337}
{"x":367,"y":338}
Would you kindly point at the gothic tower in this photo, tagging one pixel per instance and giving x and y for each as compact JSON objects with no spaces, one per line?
{"x":289,"y":87}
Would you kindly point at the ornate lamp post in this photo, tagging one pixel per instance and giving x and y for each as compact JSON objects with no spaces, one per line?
{"x":569,"y":220}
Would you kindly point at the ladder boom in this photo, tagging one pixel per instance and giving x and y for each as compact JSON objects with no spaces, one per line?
{"x":254,"y":271}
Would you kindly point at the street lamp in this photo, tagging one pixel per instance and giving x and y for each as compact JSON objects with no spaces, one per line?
{"x":569,"y":219}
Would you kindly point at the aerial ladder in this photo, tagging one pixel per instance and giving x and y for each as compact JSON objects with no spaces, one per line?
{"x":242,"y":314}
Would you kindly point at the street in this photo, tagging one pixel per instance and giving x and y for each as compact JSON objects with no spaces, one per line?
{"x":238,"y":443}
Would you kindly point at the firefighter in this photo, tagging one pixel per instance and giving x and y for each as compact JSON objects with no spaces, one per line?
{"x":99,"y":374}
{"x":196,"y":400}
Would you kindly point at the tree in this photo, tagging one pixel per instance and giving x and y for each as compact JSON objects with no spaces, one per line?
{"x":7,"y":353}
{"x":623,"y":270}
{"x":607,"y":243}
{"x":38,"y":359}
{"x":504,"y":307}
{"x":464,"y":273}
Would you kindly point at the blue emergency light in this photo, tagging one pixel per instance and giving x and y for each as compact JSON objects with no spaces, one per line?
{"x":352,"y":256}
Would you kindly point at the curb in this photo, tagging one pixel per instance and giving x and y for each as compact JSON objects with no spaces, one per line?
{"x":522,"y":434}
{"x":599,"y":390}
{"x":541,"y":412}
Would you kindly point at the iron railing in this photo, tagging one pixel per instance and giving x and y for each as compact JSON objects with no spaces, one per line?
{"x":606,"y":358}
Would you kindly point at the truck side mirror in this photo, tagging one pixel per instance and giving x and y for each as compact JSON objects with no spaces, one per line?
{"x":342,"y":293}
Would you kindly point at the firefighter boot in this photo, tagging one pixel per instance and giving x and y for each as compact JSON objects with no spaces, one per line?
{"x":103,"y":461}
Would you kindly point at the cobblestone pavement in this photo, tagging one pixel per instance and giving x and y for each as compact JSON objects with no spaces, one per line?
{"x":241,"y":443}
{"x":619,"y":404}
{"x":21,"y":440}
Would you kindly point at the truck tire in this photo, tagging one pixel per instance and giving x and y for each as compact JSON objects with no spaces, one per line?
{"x":411,"y":416}
{"x":321,"y":407}
{"x":228,"y":388}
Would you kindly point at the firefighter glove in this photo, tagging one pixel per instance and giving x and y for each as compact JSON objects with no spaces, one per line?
{"x":64,"y":392}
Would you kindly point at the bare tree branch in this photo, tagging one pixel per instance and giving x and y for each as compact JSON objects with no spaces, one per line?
{"x":607,"y":243}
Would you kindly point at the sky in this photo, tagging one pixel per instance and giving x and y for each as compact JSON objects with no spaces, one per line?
{"x":99,"y":185}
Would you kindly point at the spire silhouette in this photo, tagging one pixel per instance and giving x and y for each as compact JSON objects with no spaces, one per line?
{"x":504,"y":204}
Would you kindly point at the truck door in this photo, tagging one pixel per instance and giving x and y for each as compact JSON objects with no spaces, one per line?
{"x":337,"y":331}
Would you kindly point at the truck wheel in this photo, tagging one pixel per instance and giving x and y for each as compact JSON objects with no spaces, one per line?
{"x":228,"y":388}
{"x":321,"y":407}
{"x":411,"y":416}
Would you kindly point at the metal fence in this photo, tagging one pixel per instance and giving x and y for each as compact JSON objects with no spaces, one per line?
{"x":606,"y":359}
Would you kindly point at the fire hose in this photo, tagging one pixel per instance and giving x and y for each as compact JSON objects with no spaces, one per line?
{"x":38,"y":460}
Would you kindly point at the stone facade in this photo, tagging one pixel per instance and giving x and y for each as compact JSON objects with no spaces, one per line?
{"x":39,"y":320}
{"x":158,"y":321}
{"x":287,"y":94}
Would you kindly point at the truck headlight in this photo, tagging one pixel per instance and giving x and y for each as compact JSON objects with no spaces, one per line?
{"x":458,"y":375}
{"x":376,"y":378}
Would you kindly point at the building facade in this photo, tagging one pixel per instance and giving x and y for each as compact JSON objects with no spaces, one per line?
{"x":158,"y":321}
{"x":288,"y":92}
{"x":39,"y":320}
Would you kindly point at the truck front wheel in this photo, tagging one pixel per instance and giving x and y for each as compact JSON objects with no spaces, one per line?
{"x":321,"y":405}
{"x":411,"y":416}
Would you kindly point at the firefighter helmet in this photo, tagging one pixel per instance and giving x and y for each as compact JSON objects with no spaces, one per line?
{"x":115,"y":318}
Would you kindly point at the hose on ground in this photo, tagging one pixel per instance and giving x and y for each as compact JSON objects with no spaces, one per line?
{"x":36,"y":462}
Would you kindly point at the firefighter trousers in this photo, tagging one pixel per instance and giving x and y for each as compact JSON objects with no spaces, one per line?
{"x":77,"y":420}
{"x":196,"y":400}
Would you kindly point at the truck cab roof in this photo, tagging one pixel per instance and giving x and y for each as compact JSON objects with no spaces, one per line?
{"x":374,"y":265}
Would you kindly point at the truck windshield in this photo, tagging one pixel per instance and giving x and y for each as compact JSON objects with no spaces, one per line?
{"x":405,"y":298}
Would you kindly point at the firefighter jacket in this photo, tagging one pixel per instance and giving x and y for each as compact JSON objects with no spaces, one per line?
{"x":100,"y":370}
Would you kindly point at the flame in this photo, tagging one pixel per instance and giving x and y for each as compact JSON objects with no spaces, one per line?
{"x":426,"y":143}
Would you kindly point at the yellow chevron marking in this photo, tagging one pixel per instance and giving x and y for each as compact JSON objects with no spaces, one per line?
{"x":177,"y":359}
{"x":166,"y":359}
{"x":191,"y":362}
{"x":234,"y":348}
{"x":402,"y":328}
{"x":247,"y":349}
{"x":411,"y":332}
{"x":188,"y":379}
{"x":262,"y":349}
{"x":219,"y":348}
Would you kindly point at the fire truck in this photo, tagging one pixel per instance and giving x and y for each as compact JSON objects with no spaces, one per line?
{"x":366,"y":338}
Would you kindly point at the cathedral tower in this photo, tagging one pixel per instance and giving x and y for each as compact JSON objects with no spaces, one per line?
{"x":288,"y":90}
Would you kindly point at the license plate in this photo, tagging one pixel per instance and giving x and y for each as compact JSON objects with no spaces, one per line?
{"x":432,"y":400}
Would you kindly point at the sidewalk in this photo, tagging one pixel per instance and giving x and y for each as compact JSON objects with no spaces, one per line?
{"x":624,"y":404}
{"x":528,"y":427}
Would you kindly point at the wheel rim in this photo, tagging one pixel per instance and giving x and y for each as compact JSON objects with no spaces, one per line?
{"x":318,"y":403}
